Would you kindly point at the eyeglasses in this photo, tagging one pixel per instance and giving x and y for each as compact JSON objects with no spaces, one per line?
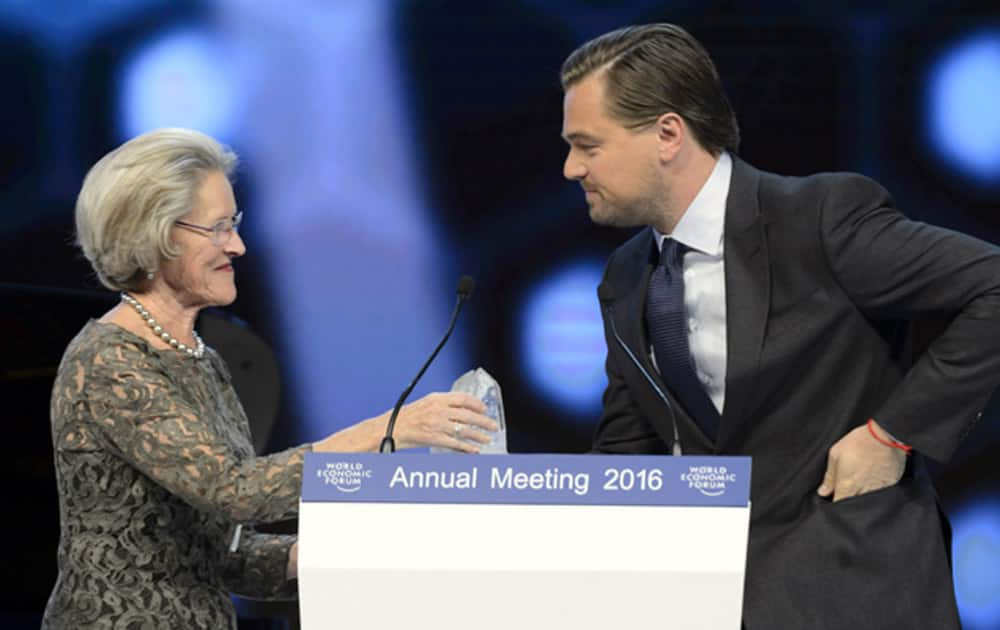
{"x":221,"y":232}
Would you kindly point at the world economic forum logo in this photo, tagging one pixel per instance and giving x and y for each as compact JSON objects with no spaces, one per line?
{"x":344,"y":476}
{"x":711,"y":481}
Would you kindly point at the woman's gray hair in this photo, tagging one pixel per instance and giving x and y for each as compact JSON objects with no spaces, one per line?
{"x":132,"y":196}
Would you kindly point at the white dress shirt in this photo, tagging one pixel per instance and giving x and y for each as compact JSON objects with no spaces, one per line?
{"x":702,"y":230}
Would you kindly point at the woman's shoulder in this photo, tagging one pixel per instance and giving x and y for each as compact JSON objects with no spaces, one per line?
{"x":104,"y":354}
{"x":105,"y":342}
{"x":102,"y":348}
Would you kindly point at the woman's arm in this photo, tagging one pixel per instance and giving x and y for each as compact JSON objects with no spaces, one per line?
{"x":135,"y":408}
{"x":264,"y":566}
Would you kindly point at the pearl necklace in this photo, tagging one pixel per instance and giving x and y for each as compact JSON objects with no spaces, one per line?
{"x":197,"y":352}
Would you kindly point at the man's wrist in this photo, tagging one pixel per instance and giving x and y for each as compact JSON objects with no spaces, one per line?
{"x":886,"y":438}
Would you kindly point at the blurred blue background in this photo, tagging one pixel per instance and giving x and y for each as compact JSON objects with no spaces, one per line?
{"x":390,"y":146}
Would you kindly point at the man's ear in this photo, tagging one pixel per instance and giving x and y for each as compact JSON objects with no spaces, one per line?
{"x":671,"y":133}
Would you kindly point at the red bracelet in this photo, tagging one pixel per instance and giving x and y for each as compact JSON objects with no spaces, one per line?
{"x":894,"y":444}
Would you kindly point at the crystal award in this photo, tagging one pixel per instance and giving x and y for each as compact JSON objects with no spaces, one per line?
{"x":480,"y":384}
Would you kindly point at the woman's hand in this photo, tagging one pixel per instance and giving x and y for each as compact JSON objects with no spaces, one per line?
{"x":451,"y":420}
{"x":292,"y":570}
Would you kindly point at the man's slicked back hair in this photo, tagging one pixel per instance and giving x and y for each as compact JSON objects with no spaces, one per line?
{"x":655,"y":69}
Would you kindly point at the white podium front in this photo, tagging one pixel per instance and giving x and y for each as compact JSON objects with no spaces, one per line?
{"x":516,"y":542}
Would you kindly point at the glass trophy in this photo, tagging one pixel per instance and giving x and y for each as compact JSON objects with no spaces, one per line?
{"x":480,"y":384}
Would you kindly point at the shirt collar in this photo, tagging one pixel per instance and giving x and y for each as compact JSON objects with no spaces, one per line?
{"x":702,"y":225}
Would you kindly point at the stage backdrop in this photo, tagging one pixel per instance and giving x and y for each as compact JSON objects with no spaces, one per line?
{"x":390,"y":146}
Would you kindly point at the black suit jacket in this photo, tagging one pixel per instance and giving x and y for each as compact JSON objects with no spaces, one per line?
{"x":822,"y":278}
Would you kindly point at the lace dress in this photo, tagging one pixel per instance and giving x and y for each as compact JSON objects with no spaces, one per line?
{"x":155,"y":468}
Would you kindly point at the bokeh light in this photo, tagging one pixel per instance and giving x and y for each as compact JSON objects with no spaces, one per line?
{"x":976,"y":555}
{"x":563,"y":337}
{"x":180,"y":80}
{"x":963,"y":114}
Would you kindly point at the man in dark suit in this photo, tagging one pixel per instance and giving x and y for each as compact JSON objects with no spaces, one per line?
{"x":768,"y":316}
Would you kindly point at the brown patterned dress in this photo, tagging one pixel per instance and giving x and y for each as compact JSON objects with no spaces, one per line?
{"x":155,"y":469}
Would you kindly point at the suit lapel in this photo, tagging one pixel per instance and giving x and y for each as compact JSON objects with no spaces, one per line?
{"x":747,"y":295}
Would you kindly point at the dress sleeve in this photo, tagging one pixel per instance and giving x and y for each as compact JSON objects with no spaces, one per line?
{"x":258,"y":568}
{"x":141,"y":416}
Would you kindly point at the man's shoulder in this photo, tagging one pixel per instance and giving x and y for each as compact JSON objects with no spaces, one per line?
{"x":816,"y":186}
{"x":636,"y":248}
{"x":629,"y":258}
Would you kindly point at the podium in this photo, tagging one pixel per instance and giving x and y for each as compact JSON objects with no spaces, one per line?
{"x":522,"y":541}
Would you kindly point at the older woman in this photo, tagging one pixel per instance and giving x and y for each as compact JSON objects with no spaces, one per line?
{"x":158,"y":483}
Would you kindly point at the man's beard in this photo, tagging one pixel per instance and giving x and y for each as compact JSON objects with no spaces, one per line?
{"x":643,"y":209}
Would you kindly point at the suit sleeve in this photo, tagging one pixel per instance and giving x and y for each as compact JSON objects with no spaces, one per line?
{"x":623,"y":428}
{"x":892,"y":267}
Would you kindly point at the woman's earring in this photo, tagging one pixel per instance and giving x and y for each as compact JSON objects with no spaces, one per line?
{"x":149,"y":276}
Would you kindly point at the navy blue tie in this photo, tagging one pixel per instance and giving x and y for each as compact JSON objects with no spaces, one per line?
{"x":666,"y":320}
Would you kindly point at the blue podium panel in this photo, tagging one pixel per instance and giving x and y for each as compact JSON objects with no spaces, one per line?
{"x":527,"y":479}
{"x":540,"y":541}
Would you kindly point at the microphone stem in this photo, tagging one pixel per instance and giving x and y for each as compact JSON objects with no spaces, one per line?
{"x":388,"y":444}
{"x":675,"y":448}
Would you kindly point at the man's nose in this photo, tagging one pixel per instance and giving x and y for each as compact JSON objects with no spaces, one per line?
{"x":573,"y":168}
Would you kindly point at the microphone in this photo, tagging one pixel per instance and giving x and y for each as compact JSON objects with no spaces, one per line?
{"x":605,"y":295}
{"x":463,"y":292}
